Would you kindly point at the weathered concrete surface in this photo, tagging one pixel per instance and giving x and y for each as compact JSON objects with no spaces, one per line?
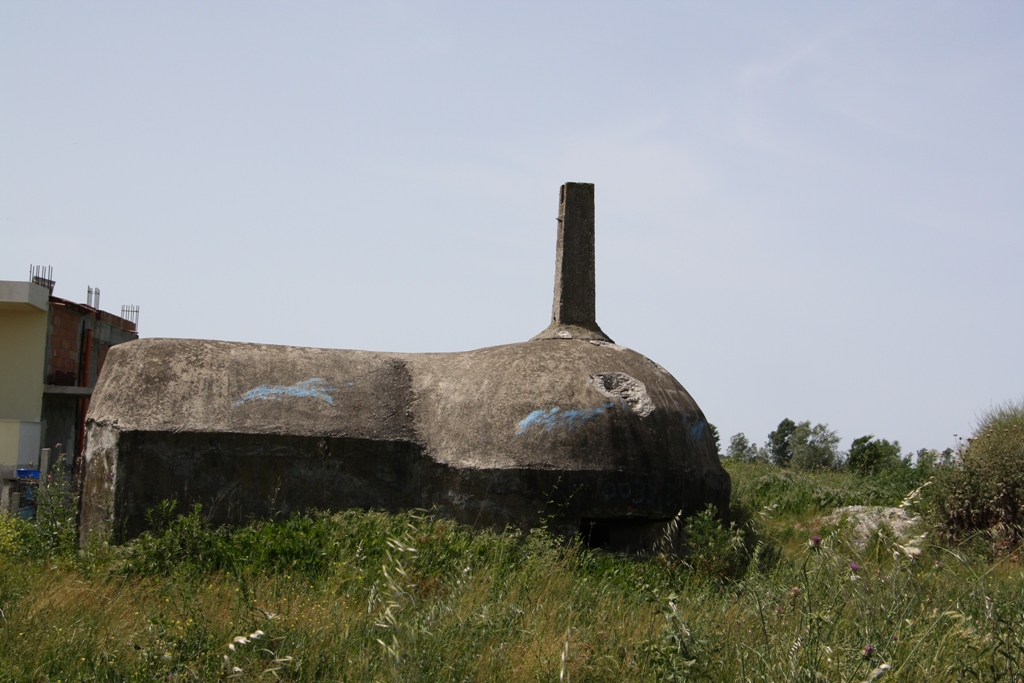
{"x":574,"y":429}
{"x":567,"y":427}
{"x":574,"y":311}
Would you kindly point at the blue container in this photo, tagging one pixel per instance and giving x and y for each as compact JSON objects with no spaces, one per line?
{"x":27,"y":474}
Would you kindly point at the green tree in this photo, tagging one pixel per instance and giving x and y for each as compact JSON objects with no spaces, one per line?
{"x":717,"y":438}
{"x":778,"y":443}
{"x":928,"y":459}
{"x":869,"y":455}
{"x":813,"y":448}
{"x":741,"y":448}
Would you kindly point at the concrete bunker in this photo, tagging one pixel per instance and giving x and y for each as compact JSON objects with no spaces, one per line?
{"x":568,"y":427}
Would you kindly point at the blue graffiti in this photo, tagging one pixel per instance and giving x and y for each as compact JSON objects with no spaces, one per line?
{"x":556,"y":417}
{"x":697,"y":430}
{"x":624,"y":492}
{"x":310,"y":388}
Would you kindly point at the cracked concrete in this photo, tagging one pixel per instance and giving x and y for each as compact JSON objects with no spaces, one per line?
{"x":621,"y":387}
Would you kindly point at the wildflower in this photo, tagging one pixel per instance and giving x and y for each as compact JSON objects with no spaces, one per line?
{"x":868,"y":651}
{"x":794,"y":592}
{"x":854,"y":567}
{"x":814,"y":543}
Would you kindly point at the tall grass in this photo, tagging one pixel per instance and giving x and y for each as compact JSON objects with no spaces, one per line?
{"x":794,"y":493}
{"x":367,"y":596}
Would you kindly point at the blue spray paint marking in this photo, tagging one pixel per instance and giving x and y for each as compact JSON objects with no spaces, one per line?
{"x":556,"y":417}
{"x":311,"y":388}
{"x":624,"y":492}
{"x":697,"y":430}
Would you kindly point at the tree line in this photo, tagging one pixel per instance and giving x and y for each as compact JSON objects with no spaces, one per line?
{"x":813,"y":447}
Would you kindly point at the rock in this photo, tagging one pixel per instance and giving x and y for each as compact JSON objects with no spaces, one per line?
{"x":865,"y":521}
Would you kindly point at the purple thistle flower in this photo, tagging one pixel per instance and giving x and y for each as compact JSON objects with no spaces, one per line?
{"x":854,"y":567}
{"x":868,"y":651}
{"x":814,"y":543}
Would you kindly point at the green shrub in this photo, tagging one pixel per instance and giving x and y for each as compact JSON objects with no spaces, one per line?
{"x":55,"y":532}
{"x":186,"y":542}
{"x":713,"y":549}
{"x":985,"y":493}
{"x":12,"y":535}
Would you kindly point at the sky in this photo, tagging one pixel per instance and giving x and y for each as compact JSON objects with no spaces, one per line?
{"x":803,"y":210}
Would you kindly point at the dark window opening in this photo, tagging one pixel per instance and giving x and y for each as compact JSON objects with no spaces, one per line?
{"x":596,"y":534}
{"x":622,"y":535}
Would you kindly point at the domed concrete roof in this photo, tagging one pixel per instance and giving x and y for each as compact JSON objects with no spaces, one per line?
{"x":568,"y":427}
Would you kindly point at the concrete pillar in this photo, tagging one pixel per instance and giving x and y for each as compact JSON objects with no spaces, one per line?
{"x":573,"y":314}
{"x":574,"y":257}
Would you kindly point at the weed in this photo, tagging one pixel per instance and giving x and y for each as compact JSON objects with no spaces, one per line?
{"x":767,"y":595}
{"x":55,"y":531}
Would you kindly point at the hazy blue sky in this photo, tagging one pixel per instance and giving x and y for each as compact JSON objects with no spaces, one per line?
{"x":804,"y":210}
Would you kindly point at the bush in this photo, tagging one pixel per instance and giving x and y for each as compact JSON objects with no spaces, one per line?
{"x":714,"y":550}
{"x":55,"y":532}
{"x":185,"y":543}
{"x":13,"y":532}
{"x":985,"y":493}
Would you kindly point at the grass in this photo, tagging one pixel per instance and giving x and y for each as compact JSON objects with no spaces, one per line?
{"x":366,"y":596}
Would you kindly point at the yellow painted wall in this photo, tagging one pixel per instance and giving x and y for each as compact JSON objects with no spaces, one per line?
{"x":19,"y":443}
{"x":22,"y":363}
{"x":9,"y":432}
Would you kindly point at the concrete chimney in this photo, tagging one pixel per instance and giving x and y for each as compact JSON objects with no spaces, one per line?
{"x":573,"y":313}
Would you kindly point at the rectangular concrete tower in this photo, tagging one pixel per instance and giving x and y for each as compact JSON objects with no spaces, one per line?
{"x":574,"y":257}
